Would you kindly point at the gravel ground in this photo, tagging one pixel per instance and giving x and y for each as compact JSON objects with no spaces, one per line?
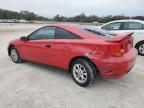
{"x":31,"y":85}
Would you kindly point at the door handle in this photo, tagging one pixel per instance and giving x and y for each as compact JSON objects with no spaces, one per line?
{"x":48,"y":46}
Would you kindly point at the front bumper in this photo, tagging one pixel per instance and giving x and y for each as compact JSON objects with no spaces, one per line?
{"x":116,"y":67}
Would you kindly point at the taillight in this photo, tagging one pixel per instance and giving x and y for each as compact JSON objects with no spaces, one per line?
{"x":117,"y":50}
{"x":121,"y":45}
{"x":127,"y":45}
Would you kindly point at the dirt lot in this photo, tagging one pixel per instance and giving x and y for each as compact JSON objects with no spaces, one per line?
{"x":31,"y":85}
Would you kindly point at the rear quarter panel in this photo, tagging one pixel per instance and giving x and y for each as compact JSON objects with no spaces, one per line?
{"x":93,"y":50}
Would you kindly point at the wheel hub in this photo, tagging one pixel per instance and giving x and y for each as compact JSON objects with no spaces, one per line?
{"x":79,"y":73}
{"x":14,"y":55}
{"x":141,"y":49}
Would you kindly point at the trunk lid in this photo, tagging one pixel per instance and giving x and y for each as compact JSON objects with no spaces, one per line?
{"x":119,"y":37}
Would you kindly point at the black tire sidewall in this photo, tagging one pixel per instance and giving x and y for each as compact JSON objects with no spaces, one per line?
{"x":137,"y":47}
{"x":89,"y":71}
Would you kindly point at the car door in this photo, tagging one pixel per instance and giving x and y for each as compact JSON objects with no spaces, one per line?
{"x":39,"y":46}
{"x":61,"y":49}
{"x":137,"y":28}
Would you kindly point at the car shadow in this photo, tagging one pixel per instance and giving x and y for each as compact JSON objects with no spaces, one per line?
{"x":64,"y":74}
{"x":48,"y":68}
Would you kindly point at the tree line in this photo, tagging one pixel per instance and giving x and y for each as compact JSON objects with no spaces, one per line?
{"x":7,"y":14}
{"x":94,"y":18}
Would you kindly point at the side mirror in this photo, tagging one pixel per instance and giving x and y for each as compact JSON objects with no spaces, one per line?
{"x":23,"y":38}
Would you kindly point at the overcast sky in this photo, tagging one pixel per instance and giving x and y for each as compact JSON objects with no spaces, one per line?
{"x":50,"y":8}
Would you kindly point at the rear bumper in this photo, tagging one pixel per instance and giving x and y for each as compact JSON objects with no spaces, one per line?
{"x":116,"y":67}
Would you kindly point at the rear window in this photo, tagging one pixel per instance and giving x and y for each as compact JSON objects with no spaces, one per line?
{"x":133,"y":26}
{"x":96,"y":31}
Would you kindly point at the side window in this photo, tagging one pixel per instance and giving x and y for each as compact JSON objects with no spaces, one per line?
{"x":133,"y":26}
{"x":113,"y":26}
{"x":44,"y":33}
{"x":63,"y":34}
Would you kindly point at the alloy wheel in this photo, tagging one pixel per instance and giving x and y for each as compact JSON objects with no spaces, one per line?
{"x":79,"y":73}
{"x":141,"y":48}
{"x":14,"y":55}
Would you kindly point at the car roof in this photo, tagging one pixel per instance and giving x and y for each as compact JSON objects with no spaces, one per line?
{"x":128,"y":20}
{"x":74,"y":29}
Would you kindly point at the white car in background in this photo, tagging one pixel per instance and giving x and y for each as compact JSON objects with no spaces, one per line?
{"x":125,"y":26}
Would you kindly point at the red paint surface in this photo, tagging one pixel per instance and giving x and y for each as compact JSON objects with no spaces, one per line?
{"x":102,"y":52}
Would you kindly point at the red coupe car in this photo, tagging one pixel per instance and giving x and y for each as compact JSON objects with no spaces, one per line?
{"x":83,"y":52}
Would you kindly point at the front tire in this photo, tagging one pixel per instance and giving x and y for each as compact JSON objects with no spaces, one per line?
{"x":82,"y":72}
{"x":140,"y":48}
{"x":15,"y":56}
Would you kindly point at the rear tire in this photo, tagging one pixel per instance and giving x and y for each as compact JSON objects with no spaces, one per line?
{"x":140,"y":48}
{"x":82,"y":72}
{"x":15,"y":56}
